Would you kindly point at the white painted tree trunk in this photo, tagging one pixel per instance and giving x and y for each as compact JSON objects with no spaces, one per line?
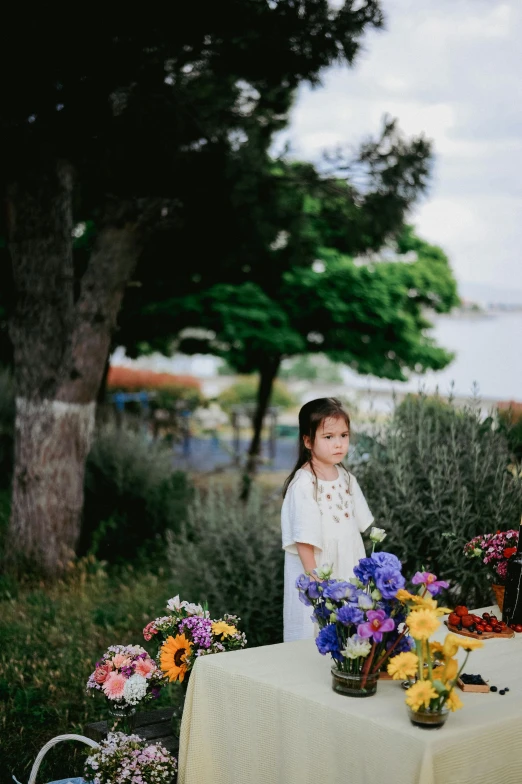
{"x":52,"y":441}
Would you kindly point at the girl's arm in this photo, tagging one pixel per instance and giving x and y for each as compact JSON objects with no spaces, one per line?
{"x":307,"y":556}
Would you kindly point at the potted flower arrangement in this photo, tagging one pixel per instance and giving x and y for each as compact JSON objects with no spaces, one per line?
{"x":494,"y":551}
{"x":188,"y":633}
{"x":121,"y":759}
{"x":128,"y":677}
{"x":184,"y":635}
{"x":432,"y":667}
{"x":361,"y":621}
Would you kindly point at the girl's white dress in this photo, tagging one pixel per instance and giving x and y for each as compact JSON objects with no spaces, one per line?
{"x":332,"y":524}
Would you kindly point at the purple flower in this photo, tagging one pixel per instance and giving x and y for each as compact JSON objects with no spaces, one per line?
{"x":376,"y":625}
{"x":302,"y":582}
{"x":429,"y":580}
{"x":339,"y":590}
{"x":327,"y":641}
{"x":200,"y":629}
{"x":406,"y":644}
{"x":365,"y":570}
{"x":388,"y":580}
{"x":304,"y":599}
{"x":321,"y":612}
{"x":313,"y":590}
{"x":387,"y":559}
{"x":349,"y":614}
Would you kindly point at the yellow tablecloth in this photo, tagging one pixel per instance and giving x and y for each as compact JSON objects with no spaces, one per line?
{"x":269,"y":715}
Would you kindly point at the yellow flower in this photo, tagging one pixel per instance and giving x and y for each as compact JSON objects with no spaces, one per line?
{"x":405,"y":596}
{"x":470,"y":644}
{"x":427,"y":602}
{"x":451,"y":668}
{"x":422,"y":623}
{"x":451,"y":645}
{"x":453,"y":701}
{"x":420,"y":695}
{"x":402,"y":666}
{"x":435,"y":647}
{"x":173,"y":657}
{"x":220,"y":627}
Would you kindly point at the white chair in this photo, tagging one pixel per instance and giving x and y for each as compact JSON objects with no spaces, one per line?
{"x":43,"y":751}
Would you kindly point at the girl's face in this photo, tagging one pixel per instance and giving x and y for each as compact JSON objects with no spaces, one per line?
{"x":331,"y":442}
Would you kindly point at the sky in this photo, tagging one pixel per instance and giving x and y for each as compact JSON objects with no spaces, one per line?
{"x":450,"y":69}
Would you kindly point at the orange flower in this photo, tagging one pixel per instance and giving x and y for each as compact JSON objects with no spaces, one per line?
{"x":173,"y":657}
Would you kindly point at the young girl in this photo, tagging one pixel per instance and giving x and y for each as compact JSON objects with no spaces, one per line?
{"x":324,"y":510}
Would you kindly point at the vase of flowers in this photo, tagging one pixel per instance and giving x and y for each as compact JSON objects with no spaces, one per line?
{"x":128,"y":677}
{"x":184,"y":635}
{"x":361,"y":621}
{"x":432,"y":664}
{"x":121,"y":759}
{"x":494,"y":551}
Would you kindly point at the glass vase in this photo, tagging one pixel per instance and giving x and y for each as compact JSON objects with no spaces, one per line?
{"x":427,"y":718}
{"x":122,"y":718}
{"x":354,"y":685}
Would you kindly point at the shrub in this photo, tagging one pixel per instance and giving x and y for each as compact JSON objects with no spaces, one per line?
{"x":436,"y":477}
{"x":229,"y":554}
{"x":510,"y":423}
{"x":244,"y":393}
{"x":132,"y":496}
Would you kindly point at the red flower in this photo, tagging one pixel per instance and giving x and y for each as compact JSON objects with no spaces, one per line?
{"x":509,"y":551}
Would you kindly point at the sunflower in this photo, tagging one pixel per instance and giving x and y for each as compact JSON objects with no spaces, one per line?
{"x":173,"y":658}
{"x":403,"y":666}
{"x":422,"y":623}
{"x":420,"y":695}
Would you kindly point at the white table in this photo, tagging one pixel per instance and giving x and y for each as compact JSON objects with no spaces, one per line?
{"x":269,"y":715}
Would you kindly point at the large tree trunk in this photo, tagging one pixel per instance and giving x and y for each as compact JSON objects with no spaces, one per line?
{"x":267,"y":372}
{"x":60,"y":349}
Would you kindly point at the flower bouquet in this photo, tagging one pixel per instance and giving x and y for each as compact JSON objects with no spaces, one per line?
{"x":433,"y":665}
{"x":122,"y":759}
{"x":127,"y":676}
{"x":361,"y":621}
{"x":494,"y":551}
{"x":188,"y":633}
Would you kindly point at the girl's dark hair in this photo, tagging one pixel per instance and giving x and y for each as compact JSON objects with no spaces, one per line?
{"x":310,"y":417}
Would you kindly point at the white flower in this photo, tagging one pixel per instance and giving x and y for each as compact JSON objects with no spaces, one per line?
{"x":324,"y":572}
{"x":377,"y":535}
{"x":365,"y":602}
{"x":356,"y":648}
{"x":174,"y":604}
{"x":135,"y":689}
{"x":192,"y":609}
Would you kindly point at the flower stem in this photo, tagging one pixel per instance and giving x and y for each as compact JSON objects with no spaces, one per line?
{"x":367,"y":664}
{"x":388,"y":653}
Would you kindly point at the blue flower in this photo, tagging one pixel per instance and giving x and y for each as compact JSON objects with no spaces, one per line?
{"x":328,"y":642}
{"x":406,"y":644}
{"x":387,"y":559}
{"x":349,"y":614}
{"x":302,"y":582}
{"x":322,"y":612}
{"x":313,"y":590}
{"x":304,"y":599}
{"x":388,"y":581}
{"x":365,"y":570}
{"x":338,"y":591}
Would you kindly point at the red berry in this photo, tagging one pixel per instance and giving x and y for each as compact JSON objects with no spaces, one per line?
{"x":518,"y":627}
{"x":488,"y":628}
{"x":461,"y":610}
{"x":467,"y":621}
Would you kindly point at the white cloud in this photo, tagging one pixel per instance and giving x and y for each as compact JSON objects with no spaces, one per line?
{"x":450,"y":69}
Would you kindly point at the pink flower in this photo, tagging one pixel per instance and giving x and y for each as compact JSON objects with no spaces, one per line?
{"x":430,"y":581}
{"x":144,"y":667}
{"x":149,"y":630}
{"x":114,"y":685}
{"x":376,"y":625}
{"x":120,"y":661}
{"x":102,"y":673}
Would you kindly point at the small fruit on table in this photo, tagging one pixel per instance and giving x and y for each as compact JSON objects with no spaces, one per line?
{"x":454,"y":619}
{"x":467,"y":621}
{"x":461,"y":610}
